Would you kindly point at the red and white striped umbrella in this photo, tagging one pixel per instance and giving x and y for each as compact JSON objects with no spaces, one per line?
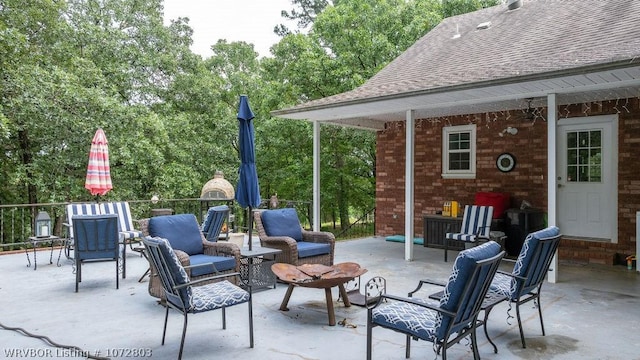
{"x":98,"y":180}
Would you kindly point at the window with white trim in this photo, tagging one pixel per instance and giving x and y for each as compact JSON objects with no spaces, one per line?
{"x":459,"y":152}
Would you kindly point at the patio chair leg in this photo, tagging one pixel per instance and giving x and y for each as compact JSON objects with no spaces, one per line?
{"x":369,"y":334}
{"x":537,"y":302}
{"x":78,"y":274}
{"x":407,"y":348}
{"x":446,"y":247}
{"x":117,"y":278}
{"x":486,"y":333}
{"x":224,"y":318}
{"x":524,"y":345}
{"x":474,"y":344}
{"x":184,"y":333}
{"x":166,"y":317}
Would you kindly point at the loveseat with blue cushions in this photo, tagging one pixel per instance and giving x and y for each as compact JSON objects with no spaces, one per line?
{"x":281,"y":229}
{"x":188,"y":242}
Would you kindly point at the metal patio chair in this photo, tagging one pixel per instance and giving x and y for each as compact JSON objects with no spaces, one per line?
{"x":96,"y":239}
{"x":183,"y":296}
{"x":524,"y":283}
{"x":454,"y":317}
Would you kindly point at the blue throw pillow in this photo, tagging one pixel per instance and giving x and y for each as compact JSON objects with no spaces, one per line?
{"x":182,"y":231}
{"x":282,"y":222}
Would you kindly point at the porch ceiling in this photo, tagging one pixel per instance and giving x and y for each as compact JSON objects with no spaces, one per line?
{"x":581,"y":85}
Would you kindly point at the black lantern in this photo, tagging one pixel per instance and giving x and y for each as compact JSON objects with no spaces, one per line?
{"x":43,"y":224}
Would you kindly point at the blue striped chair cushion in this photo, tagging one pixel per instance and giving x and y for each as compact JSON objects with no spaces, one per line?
{"x":476,"y":221}
{"x":406,"y":317}
{"x":216,"y":296}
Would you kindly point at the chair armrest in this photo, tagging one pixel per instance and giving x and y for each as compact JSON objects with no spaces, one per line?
{"x":279,"y":242}
{"x":183,"y":257}
{"x":511,"y":275}
{"x":318,"y":236}
{"x":221,"y":248}
{"x":208,"y":278}
{"x":426,"y":281}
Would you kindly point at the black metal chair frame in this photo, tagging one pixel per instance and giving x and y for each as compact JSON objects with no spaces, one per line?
{"x":87,"y":243}
{"x":534,"y":277}
{"x":466,"y":314}
{"x":169,"y":285}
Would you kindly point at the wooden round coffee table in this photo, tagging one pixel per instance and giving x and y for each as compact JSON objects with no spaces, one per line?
{"x":319,"y":277}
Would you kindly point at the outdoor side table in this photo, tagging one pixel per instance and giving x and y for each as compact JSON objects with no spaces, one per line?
{"x":255,"y":267}
{"x":36,"y":240}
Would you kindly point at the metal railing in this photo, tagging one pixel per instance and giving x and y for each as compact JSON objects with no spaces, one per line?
{"x":364,"y":226}
{"x":17,"y":221}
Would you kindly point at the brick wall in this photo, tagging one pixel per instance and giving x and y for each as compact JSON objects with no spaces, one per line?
{"x":526,"y":182}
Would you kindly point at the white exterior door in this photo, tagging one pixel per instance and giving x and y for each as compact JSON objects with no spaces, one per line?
{"x":587,"y":177}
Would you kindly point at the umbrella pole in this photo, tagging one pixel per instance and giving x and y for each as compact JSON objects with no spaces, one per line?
{"x":250,"y":229}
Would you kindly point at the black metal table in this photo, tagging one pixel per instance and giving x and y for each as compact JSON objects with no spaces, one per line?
{"x":36,"y":240}
{"x":255,"y":267}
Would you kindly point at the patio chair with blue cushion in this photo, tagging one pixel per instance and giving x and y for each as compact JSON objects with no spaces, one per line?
{"x":448,"y":321}
{"x":77,"y":209}
{"x":96,"y":239}
{"x":183,"y":233}
{"x":181,"y":294}
{"x":281,"y":229}
{"x":476,"y":225}
{"x":213,"y":222}
{"x":524,"y":283}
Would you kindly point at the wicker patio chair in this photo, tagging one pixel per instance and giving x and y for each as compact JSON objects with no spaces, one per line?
{"x":282,"y":230}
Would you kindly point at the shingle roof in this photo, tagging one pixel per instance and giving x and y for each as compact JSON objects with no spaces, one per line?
{"x":541,"y":37}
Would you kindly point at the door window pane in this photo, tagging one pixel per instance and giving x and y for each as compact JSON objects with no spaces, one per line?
{"x":584,"y":156}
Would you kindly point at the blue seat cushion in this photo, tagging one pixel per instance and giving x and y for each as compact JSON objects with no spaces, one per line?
{"x":306,"y":249}
{"x":182,"y":231}
{"x":221,"y":263}
{"x":407,"y":318}
{"x":463,"y":268}
{"x":282,"y":222}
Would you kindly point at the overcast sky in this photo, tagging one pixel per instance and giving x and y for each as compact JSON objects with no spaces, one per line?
{"x":251,"y":21}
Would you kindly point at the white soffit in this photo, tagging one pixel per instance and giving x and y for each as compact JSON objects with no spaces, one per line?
{"x":373,"y":113}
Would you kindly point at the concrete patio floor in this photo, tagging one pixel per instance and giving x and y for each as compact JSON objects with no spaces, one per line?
{"x":591,"y":313}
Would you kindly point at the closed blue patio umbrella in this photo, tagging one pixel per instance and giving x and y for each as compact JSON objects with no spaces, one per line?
{"x":248,"y":189}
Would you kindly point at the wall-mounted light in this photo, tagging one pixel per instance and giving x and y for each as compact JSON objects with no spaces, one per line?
{"x":509,"y":130}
